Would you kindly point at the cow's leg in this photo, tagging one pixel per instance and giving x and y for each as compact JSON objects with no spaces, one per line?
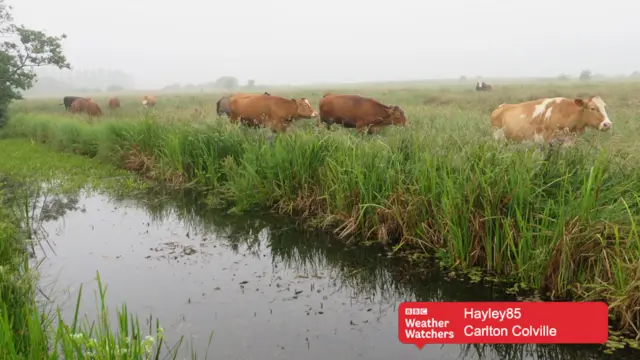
{"x":361,"y":125}
{"x":375,"y":129}
{"x":498,"y":134}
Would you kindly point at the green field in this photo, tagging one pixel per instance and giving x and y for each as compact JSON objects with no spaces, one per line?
{"x":562,"y":222}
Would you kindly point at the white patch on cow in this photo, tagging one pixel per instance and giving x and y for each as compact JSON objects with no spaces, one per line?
{"x":523,"y":116}
{"x":313,"y":114}
{"x":538,"y":139}
{"x":542,"y":107}
{"x":547,"y":116}
{"x":144,"y":102}
{"x":498,"y":134}
{"x":606,"y":123}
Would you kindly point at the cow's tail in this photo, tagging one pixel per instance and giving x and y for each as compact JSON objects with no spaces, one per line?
{"x":218,"y":107}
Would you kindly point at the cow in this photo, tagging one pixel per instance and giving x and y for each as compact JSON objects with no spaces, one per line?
{"x":68,"y":100}
{"x":274,"y":112}
{"x":79,"y":105}
{"x":114,"y":103}
{"x":93,"y":109}
{"x":222,"y":106}
{"x":84,"y":105}
{"x":355,"y":111}
{"x":546,"y":120}
{"x":149,"y":101}
{"x":483,"y":86}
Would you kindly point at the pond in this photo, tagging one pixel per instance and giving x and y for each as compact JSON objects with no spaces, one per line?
{"x":265,"y":289}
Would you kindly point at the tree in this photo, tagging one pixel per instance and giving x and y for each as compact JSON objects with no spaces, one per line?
{"x":23,"y":52}
{"x":251,"y":84}
{"x":227,"y":82}
{"x":585,"y":75}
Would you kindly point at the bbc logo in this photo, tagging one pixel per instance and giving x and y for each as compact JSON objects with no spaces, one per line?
{"x":416,"y":311}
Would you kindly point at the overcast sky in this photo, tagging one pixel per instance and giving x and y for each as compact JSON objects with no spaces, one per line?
{"x":287,"y":41}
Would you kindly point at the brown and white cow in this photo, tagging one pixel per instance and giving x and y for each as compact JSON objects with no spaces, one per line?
{"x":483,"y":86}
{"x":149,"y":101}
{"x":274,"y":112}
{"x":544,"y":120}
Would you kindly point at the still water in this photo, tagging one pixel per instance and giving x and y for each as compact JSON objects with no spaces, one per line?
{"x":265,"y":290}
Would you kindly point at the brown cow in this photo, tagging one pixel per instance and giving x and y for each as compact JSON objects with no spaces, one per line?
{"x":78,"y":106}
{"x":149,"y":101}
{"x":274,"y":112}
{"x":93,"y":109}
{"x":545,"y":120}
{"x":84,"y":105}
{"x":354,"y":111}
{"x":114,"y":103}
{"x":222,"y":106}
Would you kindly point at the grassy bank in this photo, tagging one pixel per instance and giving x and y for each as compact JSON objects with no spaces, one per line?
{"x":563,"y":222}
{"x":30,"y":329}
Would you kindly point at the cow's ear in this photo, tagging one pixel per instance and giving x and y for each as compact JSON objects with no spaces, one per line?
{"x":294,"y":100}
{"x":579,"y":102}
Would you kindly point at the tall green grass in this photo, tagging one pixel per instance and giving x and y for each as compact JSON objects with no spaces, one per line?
{"x":564,"y":221}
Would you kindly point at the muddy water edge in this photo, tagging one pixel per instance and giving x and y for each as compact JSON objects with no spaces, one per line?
{"x":251,"y":286}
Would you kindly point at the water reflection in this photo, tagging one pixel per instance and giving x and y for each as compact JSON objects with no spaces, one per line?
{"x":267,"y":290}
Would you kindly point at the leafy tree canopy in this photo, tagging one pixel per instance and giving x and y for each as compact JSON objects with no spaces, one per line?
{"x":21,"y":51}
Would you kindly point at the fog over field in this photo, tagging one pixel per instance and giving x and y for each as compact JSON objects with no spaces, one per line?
{"x":332,"y":41}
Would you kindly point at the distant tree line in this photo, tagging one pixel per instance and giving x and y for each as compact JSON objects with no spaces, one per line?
{"x":52,"y":80}
{"x":228,"y":83}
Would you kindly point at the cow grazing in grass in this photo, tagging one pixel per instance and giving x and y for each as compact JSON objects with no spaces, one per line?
{"x":84,"y":105}
{"x":114,"y":103}
{"x":546,"y":120}
{"x":68,"y":100}
{"x":274,"y":112}
{"x":222,"y":106}
{"x":354,"y":111}
{"x":93,"y":109}
{"x":483,"y":86}
{"x":149,"y":101}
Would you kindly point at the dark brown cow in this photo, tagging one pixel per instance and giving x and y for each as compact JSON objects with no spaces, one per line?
{"x":274,"y":112}
{"x":114,"y":103}
{"x":68,"y":100}
{"x":354,"y":111}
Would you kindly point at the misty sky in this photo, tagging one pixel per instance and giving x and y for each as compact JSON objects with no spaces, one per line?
{"x":287,"y":41}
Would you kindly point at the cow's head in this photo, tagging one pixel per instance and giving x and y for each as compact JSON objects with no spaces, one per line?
{"x":304,"y":108}
{"x":595,"y":113}
{"x":396,"y":116}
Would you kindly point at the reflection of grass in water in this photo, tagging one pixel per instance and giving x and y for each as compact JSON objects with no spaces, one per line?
{"x":362,"y":271}
{"x":27,"y":329}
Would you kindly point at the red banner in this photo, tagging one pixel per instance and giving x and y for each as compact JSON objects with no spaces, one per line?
{"x":422,"y":323}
